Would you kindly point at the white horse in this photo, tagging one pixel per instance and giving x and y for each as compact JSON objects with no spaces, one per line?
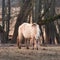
{"x":29,"y":32}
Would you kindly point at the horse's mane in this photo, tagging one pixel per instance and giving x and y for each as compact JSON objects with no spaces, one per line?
{"x":34,"y":24}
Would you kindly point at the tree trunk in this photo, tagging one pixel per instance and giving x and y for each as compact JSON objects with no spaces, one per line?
{"x":21,"y":18}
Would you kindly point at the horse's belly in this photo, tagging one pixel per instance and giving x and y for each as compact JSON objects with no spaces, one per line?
{"x":26,"y":34}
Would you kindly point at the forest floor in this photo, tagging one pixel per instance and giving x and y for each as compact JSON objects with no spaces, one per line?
{"x":11,"y":52}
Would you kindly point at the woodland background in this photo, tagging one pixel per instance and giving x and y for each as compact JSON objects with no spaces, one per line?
{"x":44,"y":12}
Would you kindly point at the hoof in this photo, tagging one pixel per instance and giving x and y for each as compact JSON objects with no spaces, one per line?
{"x":32,"y":48}
{"x":19,"y":47}
{"x":27,"y":47}
{"x":36,"y":48}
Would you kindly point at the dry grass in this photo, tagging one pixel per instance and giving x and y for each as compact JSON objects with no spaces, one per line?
{"x":10,"y":52}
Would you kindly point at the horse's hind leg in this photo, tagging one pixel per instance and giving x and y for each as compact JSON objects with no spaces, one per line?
{"x":19,"y":44}
{"x":27,"y":43}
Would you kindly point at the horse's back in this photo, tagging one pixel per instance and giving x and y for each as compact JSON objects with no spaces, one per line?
{"x":29,"y":30}
{"x":25,"y":29}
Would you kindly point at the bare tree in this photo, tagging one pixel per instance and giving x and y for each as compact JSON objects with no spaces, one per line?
{"x":23,"y":14}
{"x":20,"y":19}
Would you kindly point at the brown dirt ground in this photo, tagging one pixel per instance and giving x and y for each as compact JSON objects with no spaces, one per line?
{"x":11,"y":52}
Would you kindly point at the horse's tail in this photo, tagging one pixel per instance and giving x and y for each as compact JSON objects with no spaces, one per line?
{"x":38,"y":33}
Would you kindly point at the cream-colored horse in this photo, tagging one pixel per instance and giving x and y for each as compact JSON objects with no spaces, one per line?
{"x":29,"y":32}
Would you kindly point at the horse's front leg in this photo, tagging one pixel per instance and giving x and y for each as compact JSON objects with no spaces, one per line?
{"x":33,"y":44}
